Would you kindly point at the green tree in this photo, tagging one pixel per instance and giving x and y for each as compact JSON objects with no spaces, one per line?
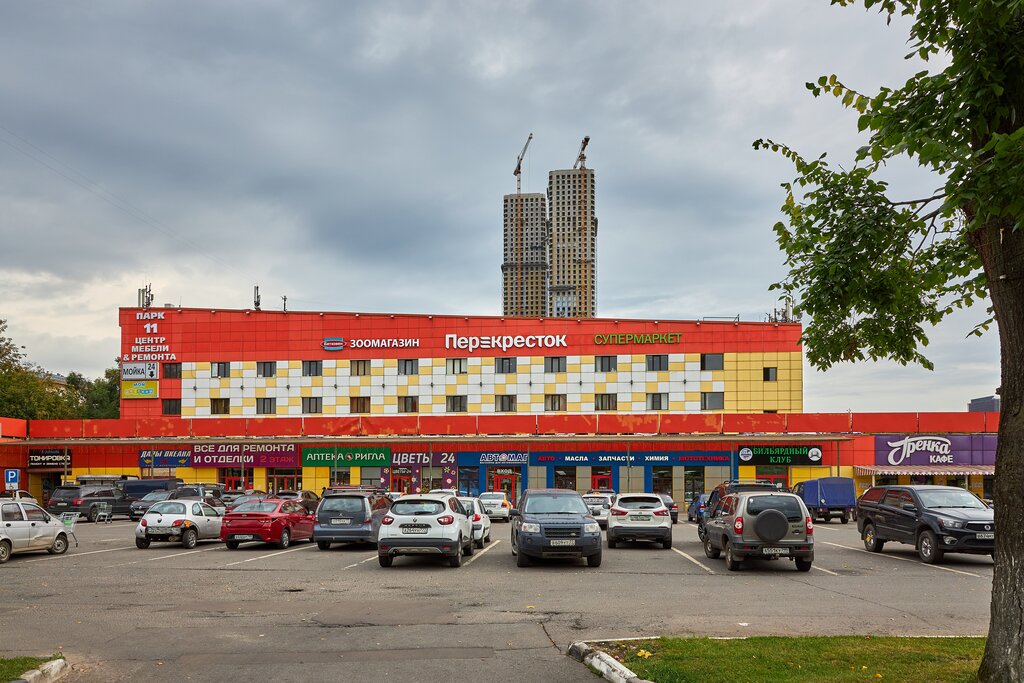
{"x":29,"y":392}
{"x":873,"y":270}
{"x":100,"y":397}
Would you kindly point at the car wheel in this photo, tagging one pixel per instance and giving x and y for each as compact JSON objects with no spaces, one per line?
{"x":612,"y":542}
{"x":456,"y":559}
{"x":142,"y":543}
{"x":94,"y":514}
{"x":286,"y":539}
{"x":845,"y":518}
{"x":689,"y":518}
{"x":5,"y":551}
{"x":189,"y":538}
{"x":871,"y":542}
{"x":928,"y":548}
{"x":385,"y":560}
{"x":479,"y":544}
{"x":232,"y":545}
{"x":803,"y":565}
{"x":522,"y":560}
{"x":487,"y":538}
{"x":323,"y":545}
{"x":667,"y":542}
{"x":60,"y":545}
{"x":702,"y":533}
{"x":594,"y":560}
{"x":711,"y":551}
{"x":731,"y":561}
{"x":470,"y":547}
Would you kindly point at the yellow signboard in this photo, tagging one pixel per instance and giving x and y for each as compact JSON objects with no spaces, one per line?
{"x":140,"y":389}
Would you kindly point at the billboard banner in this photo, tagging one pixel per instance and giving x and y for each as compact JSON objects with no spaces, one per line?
{"x":935,"y":449}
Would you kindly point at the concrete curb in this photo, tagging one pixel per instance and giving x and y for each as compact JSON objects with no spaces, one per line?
{"x":50,"y":671}
{"x":608,"y":666}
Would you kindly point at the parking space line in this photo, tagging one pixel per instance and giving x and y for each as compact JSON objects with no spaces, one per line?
{"x":905,"y":559}
{"x":165,"y":557}
{"x":356,"y":564}
{"x":476,"y":555}
{"x":822,"y":569}
{"x":699,"y":564}
{"x":91,"y":552}
{"x":262,"y":557}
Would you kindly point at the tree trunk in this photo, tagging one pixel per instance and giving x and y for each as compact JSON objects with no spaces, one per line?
{"x":1002,"y":253}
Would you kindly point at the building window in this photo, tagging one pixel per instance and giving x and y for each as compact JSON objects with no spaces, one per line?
{"x":220,"y":369}
{"x":712,"y":400}
{"x":554,"y":364}
{"x":359,"y":404}
{"x":771,"y":374}
{"x":606,"y":363}
{"x":220,"y":406}
{"x":455,"y":404}
{"x":456,"y":366}
{"x":408,"y":366}
{"x":554,"y":403}
{"x":312,"y":405}
{"x":266,"y":368}
{"x":712,"y":361}
{"x":359,"y":368}
{"x":505,"y":403}
{"x":606,"y":401}
{"x":408,"y":404}
{"x":172,"y":406}
{"x":504,"y":365}
{"x":172,"y":371}
{"x":312,"y":368}
{"x":657,"y":362}
{"x":266,"y":406}
{"x":657,"y":401}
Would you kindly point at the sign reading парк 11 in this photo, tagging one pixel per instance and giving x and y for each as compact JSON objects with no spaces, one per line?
{"x":922,"y":449}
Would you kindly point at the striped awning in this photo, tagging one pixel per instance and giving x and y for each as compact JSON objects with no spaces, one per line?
{"x":925,"y":470}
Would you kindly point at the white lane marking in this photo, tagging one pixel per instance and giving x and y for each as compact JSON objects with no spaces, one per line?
{"x":263,"y":557}
{"x":699,"y":564}
{"x":822,"y":569}
{"x":476,"y":555}
{"x":905,"y":559}
{"x":356,"y":564}
{"x":91,"y":552}
{"x":164,"y":557}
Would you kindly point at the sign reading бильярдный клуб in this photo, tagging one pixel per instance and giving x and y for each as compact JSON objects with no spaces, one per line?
{"x":786,"y":455}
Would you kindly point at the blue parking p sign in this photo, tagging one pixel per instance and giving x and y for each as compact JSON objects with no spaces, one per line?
{"x":11,"y":476}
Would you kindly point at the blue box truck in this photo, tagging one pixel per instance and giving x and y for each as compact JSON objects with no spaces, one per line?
{"x":829,"y":497}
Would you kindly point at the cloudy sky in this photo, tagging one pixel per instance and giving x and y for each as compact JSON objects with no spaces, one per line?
{"x":353,"y":156}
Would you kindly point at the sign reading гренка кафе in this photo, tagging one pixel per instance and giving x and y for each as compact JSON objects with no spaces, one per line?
{"x":935,"y":449}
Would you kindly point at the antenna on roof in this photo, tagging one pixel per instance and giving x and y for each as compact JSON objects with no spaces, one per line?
{"x":256,"y":297}
{"x":284,"y":298}
{"x":146,"y":296}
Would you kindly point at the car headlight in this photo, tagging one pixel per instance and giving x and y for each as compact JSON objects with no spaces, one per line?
{"x":594,"y":528}
{"x":530,"y":528}
{"x":950,"y":523}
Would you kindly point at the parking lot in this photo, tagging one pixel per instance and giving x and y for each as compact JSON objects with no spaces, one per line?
{"x":168,"y":614}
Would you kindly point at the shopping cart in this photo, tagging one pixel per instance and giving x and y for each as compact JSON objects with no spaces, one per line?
{"x":69,"y":519}
{"x":105,"y":513}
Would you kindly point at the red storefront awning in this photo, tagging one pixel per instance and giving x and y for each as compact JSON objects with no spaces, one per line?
{"x":925,"y":470}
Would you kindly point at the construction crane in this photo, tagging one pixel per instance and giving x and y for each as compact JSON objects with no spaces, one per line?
{"x":518,"y":310}
{"x":584,"y":290}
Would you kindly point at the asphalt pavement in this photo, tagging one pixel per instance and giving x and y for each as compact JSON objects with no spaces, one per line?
{"x":169,"y":614}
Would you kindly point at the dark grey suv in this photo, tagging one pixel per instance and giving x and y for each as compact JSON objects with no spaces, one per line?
{"x":87,"y":500}
{"x":350,"y":517}
{"x":554,"y":523}
{"x":760,"y":525}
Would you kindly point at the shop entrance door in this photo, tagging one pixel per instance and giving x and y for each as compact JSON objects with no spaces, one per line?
{"x":601,"y":481}
{"x":237,"y":483}
{"x":283,"y":483}
{"x":507,"y":484}
{"x":401,"y":483}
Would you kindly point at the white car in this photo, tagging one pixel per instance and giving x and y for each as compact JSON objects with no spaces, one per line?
{"x":496,"y":504}
{"x":17,"y":494}
{"x":481,"y":520}
{"x":28,"y":527}
{"x":178,"y":521}
{"x":425,"y":524}
{"x":599,"y":504}
{"x":639,"y":517}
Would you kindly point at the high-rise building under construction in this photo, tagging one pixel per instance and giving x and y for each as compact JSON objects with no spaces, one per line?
{"x":524,"y":269}
{"x":572,"y":241}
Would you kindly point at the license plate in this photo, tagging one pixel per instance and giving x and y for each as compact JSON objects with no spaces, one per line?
{"x":341,"y":520}
{"x":775,"y":551}
{"x":985,"y":535}
{"x":489,"y":509}
{"x":243,"y":537}
{"x":414,"y":531}
{"x":159,"y":530}
{"x":563,"y":541}
{"x":62,"y":505}
{"x":641,"y":518}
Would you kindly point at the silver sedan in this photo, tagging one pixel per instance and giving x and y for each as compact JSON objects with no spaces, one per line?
{"x":27,"y":527}
{"x":179,"y":521}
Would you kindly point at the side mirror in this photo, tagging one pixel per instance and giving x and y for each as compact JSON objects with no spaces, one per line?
{"x":514,"y":512}
{"x":910,"y":507}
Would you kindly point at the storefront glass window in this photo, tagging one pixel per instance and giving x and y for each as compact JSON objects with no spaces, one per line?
{"x":600,"y":477}
{"x":235,"y":478}
{"x":776,"y":474}
{"x":921,"y":480}
{"x":369,"y":476}
{"x":469,"y":480}
{"x":565,"y":478}
{"x":886,"y":480}
{"x":988,"y":487}
{"x":340,"y":476}
{"x":431,"y":478}
{"x":283,"y":479}
{"x":694,"y":482}
{"x":661,"y":480}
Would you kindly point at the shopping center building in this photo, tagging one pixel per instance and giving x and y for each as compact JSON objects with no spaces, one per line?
{"x":282,"y":400}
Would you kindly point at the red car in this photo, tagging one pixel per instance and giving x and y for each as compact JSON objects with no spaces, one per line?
{"x":267,"y":521}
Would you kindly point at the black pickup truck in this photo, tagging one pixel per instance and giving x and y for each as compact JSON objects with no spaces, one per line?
{"x":934,"y":519}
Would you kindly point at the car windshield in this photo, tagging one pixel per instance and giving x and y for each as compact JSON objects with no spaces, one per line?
{"x":555,"y":505}
{"x":65,"y":492}
{"x":639,"y":502}
{"x":352,"y":504}
{"x":418,"y":507}
{"x":950,"y":498}
{"x":156,"y":495}
{"x":468,"y":503}
{"x":492,"y":496}
{"x":787,"y":505}
{"x":167,"y":507}
{"x":287,"y":495}
{"x":257,"y":506}
{"x":6,"y":494}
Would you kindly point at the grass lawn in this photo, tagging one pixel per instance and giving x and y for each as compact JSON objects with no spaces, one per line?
{"x":802,"y":660}
{"x":13,"y":668}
